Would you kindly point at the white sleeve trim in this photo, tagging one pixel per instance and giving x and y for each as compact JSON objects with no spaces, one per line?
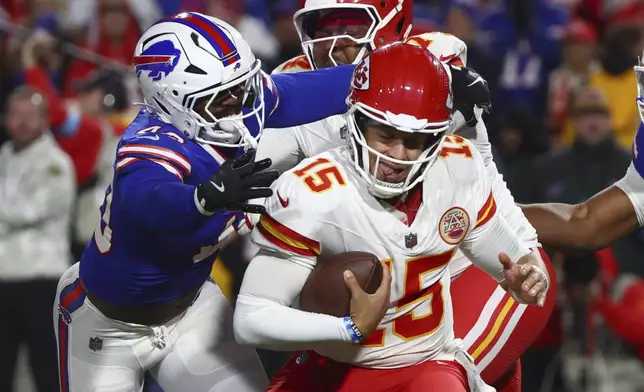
{"x":633,"y":186}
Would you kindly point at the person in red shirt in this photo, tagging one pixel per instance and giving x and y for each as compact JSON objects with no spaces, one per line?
{"x":79,"y":135}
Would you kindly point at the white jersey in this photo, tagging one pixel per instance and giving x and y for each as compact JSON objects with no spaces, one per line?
{"x":287,"y":147}
{"x":323,"y":207}
{"x":632,"y":185}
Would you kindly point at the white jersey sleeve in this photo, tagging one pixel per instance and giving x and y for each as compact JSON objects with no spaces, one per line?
{"x":491,"y":235}
{"x":289,"y":237}
{"x":286,"y":147}
{"x":633,"y":185}
{"x":506,"y":206}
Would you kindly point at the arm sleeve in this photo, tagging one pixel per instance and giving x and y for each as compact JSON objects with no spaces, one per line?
{"x":632,"y":184}
{"x":263,"y":316}
{"x":47,"y":194}
{"x":491,"y":234}
{"x":157,"y":198}
{"x":288,"y":236}
{"x":305,"y":97}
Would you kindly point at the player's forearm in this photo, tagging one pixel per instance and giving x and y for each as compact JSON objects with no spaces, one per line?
{"x":305,"y":97}
{"x":593,"y":224}
{"x":484,"y":245}
{"x":160,"y":202}
{"x":263,"y":316}
{"x":260,"y":322}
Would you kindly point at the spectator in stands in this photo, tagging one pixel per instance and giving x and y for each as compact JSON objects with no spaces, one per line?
{"x":519,"y":142}
{"x":616,"y":79}
{"x":593,"y":162}
{"x":79,"y":135}
{"x":285,"y":32}
{"x":104,"y":97}
{"x":37,"y":186}
{"x":578,"y":53}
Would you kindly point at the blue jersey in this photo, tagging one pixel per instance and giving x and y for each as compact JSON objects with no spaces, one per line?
{"x":153,"y":244}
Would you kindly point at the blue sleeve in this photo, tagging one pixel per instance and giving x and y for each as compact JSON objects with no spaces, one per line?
{"x":638,"y":150}
{"x":305,"y":97}
{"x":157,"y":199}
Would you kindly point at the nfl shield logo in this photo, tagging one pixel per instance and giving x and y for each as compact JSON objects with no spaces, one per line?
{"x":95,"y":343}
{"x":411,"y":240}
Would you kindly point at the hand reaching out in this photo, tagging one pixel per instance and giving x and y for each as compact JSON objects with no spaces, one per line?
{"x":524,"y":279}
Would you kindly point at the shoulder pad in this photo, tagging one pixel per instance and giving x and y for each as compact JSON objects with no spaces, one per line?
{"x":446,"y":47}
{"x":458,"y":150}
{"x":294,"y":65}
{"x":157,"y":142}
{"x":316,"y":183}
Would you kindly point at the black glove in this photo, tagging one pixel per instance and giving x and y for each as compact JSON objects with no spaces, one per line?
{"x":235,"y":183}
{"x":470,"y":90}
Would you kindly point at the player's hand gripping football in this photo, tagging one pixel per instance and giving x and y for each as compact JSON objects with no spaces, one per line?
{"x":470,"y":90}
{"x":367,"y":310}
{"x":237,"y":181}
{"x":525,"y":280}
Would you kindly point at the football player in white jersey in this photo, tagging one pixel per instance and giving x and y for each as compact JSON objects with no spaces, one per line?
{"x":496,"y":330}
{"x":407,"y":192}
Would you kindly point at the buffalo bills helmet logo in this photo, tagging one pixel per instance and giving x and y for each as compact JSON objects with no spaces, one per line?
{"x":159,"y":60}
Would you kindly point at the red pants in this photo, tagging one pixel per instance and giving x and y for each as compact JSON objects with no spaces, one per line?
{"x":495,"y":329}
{"x":310,"y":372}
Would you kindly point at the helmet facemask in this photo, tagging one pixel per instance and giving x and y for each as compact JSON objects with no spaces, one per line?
{"x":361,"y":116}
{"x":341,"y":20}
{"x":219,"y":112}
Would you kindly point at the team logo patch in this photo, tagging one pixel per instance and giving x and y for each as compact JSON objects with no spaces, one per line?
{"x":411,"y":240}
{"x":360,"y":79}
{"x":454,"y":225}
{"x":67,"y":318}
{"x":95,"y":343}
{"x":158,"y":60}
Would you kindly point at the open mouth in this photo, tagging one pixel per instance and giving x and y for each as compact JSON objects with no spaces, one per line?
{"x":392,"y":173}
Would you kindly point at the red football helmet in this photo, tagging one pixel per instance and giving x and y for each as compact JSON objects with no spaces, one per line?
{"x":407,"y":88}
{"x":389,"y":21}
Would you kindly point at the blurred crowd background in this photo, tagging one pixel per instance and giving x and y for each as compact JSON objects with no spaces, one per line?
{"x":563,"y":121}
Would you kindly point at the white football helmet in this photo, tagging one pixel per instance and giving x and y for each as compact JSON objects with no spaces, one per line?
{"x":199,"y":74}
{"x":639,"y":76}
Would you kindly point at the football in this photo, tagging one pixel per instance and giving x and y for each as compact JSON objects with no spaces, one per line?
{"x":325,"y":291}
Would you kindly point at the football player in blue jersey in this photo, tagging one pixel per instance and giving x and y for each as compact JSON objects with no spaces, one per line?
{"x":140,"y":299}
{"x":607,"y":216}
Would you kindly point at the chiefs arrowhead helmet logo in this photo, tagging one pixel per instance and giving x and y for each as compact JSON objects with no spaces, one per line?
{"x":360,"y":79}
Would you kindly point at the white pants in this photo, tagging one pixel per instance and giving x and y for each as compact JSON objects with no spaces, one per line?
{"x":194,"y":352}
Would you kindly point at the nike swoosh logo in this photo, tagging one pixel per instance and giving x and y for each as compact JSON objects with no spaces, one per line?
{"x":283,"y":202}
{"x":477,"y":80}
{"x":155,"y":137}
{"x":220,"y":187}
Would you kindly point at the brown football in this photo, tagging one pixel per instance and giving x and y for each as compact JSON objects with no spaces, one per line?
{"x":325,"y":291}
